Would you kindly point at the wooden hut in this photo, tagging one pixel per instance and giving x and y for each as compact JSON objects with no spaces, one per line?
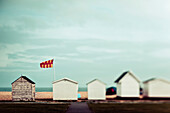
{"x":96,"y":90}
{"x":128,"y":85}
{"x":65,"y":89}
{"x":23,"y":89}
{"x":156,"y":88}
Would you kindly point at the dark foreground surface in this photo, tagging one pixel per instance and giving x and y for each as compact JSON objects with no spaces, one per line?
{"x":130,"y":107}
{"x":33,"y":108}
{"x":78,"y":107}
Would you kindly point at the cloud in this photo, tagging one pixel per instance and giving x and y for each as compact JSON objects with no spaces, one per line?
{"x":6,"y":49}
{"x":19,"y":70}
{"x":87,"y":49}
{"x":68,"y":58}
{"x":161,"y":53}
{"x":21,"y":55}
{"x":132,"y":21}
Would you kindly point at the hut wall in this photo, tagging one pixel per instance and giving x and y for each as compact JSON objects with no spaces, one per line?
{"x":129,"y":87}
{"x":33,"y":92}
{"x":96,"y":91}
{"x":145,"y":90}
{"x":118,"y":89}
{"x":22,"y":90}
{"x":157,"y":88}
{"x":65,"y":90}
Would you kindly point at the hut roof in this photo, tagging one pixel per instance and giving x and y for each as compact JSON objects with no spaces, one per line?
{"x":96,"y":80}
{"x":25,"y":79}
{"x":65,"y":79}
{"x":123,"y":74}
{"x":152,"y":79}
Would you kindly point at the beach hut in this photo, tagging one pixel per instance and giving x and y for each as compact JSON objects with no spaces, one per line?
{"x":128,"y":85}
{"x":65,"y":89}
{"x":23,"y":89}
{"x":96,"y":90}
{"x":157,"y":88}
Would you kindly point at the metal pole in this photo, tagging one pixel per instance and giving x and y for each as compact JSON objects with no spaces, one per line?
{"x":54,"y":69}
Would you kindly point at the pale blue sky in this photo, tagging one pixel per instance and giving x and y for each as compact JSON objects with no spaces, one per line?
{"x":88,"y":38}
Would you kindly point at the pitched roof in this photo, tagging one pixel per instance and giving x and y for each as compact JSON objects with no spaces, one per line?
{"x":123,"y":74}
{"x":146,"y":81}
{"x":65,"y":79}
{"x":152,"y":79}
{"x":25,"y":79}
{"x":96,"y":80}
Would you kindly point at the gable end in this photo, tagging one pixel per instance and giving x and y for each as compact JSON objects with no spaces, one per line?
{"x":30,"y":81}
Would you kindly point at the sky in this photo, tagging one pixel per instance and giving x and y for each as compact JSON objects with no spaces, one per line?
{"x":89,"y":39}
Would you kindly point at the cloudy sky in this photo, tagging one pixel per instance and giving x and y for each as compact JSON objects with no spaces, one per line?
{"x":88,"y":38}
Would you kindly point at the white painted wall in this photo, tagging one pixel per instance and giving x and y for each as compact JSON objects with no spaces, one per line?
{"x":96,"y":90}
{"x":157,"y":88}
{"x":145,"y":89}
{"x":118,"y":90}
{"x":65,"y":90}
{"x":129,"y":87}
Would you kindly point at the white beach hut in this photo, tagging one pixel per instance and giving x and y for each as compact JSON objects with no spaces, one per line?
{"x":96,"y":90}
{"x":65,"y":89}
{"x":128,"y":85}
{"x":156,"y":88}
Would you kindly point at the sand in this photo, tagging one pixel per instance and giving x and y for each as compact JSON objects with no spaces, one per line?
{"x":7,"y":96}
{"x":48,"y":96}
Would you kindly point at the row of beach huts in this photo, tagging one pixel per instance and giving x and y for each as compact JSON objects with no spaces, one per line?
{"x":128,"y":86}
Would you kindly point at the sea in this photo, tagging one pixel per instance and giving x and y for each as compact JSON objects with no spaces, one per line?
{"x":39,"y":89}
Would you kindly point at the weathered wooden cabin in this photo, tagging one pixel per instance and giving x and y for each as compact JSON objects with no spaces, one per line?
{"x":156,"y":88}
{"x":23,"y":89}
{"x":65,"y":89}
{"x":96,"y":90}
{"x":128,"y":85}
